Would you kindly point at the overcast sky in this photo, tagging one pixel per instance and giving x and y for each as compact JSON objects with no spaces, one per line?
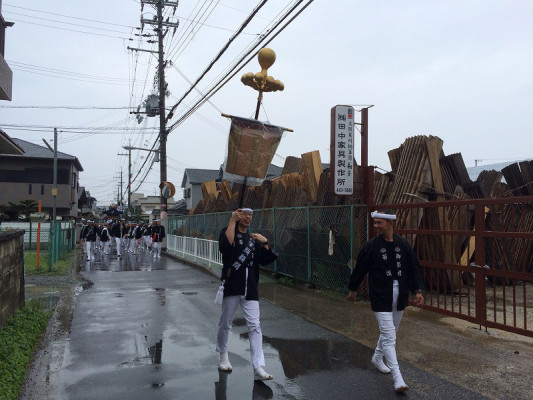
{"x":459,"y":70}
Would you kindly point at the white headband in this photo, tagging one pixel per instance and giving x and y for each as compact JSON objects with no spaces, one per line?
{"x":376,"y":214}
{"x":248,"y":210}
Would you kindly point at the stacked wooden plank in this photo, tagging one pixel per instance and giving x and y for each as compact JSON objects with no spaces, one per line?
{"x":453,"y":172}
{"x":519,"y":177}
{"x":312,"y":169}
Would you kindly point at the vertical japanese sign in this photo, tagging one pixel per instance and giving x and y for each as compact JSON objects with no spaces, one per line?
{"x":341,"y":158}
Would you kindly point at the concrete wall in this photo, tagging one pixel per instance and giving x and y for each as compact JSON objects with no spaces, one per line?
{"x":6,"y":80}
{"x":11,"y":274}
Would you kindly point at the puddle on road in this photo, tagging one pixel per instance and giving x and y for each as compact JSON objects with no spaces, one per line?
{"x":46,"y":296}
{"x":153,"y":356}
{"x":300,"y":357}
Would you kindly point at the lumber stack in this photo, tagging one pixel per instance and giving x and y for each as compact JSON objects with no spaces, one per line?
{"x":420,"y":171}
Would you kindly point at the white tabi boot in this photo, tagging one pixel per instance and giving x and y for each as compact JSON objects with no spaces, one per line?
{"x":261,"y":375}
{"x":223,"y":362}
{"x":399,"y":383}
{"x":380,"y":365}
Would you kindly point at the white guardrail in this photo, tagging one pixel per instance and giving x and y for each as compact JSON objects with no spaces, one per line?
{"x":199,"y":251}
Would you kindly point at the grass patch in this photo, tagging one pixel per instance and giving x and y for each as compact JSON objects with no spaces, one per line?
{"x":18,"y":341}
{"x":60,"y":268}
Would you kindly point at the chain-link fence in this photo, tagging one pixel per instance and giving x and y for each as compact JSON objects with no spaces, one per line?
{"x":63,"y":240}
{"x":39,"y":236}
{"x":316,"y":245}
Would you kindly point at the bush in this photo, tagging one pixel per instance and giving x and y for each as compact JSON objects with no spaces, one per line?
{"x":18,"y":341}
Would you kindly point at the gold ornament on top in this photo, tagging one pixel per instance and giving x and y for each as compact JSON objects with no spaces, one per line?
{"x":261,"y":81}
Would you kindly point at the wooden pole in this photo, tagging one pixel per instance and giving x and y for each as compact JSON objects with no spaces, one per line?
{"x":257,"y":108}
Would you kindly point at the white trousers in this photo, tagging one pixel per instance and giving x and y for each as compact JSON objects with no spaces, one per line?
{"x":119,"y":246}
{"x":147,"y":241}
{"x":156,"y":246}
{"x":89,"y":249}
{"x":389,"y":322}
{"x":133,"y":245}
{"x":106,"y":247}
{"x":250,"y":309}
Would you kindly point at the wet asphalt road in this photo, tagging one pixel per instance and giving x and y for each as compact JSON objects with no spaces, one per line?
{"x":146,"y":330}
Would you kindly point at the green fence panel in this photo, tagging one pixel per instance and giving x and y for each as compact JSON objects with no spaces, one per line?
{"x":317,"y":245}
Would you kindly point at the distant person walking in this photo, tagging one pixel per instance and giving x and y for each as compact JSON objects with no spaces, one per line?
{"x":393,"y":270}
{"x":105,"y":238}
{"x":158,"y":234}
{"x":89,"y":235}
{"x":82,"y":238}
{"x":242,"y":252}
{"x":147,"y":237}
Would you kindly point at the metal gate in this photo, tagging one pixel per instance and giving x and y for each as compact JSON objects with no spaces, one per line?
{"x":476,"y":257}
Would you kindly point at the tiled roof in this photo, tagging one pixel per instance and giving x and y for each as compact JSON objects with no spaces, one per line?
{"x":7,"y":145}
{"x":32,"y":150}
{"x":196,"y":176}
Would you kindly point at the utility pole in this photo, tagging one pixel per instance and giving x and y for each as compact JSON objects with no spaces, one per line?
{"x":158,"y":25}
{"x":129,"y":175}
{"x":51,"y":244}
{"x":121,"y":187}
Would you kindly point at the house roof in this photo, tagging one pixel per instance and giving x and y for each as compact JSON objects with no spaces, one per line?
{"x":274,"y":171}
{"x":473,"y":172}
{"x":199,"y":175}
{"x":32,"y":150}
{"x":7,"y":145}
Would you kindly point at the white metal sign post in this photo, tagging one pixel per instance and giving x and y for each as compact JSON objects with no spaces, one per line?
{"x":341,"y":158}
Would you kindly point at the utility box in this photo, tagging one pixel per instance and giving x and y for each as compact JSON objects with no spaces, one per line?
{"x":152,"y":105}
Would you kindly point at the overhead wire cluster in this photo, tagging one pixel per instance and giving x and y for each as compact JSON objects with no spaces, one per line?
{"x":141,"y":66}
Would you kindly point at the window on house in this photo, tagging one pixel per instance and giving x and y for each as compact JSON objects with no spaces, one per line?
{"x":42,"y":189}
{"x":29,"y":188}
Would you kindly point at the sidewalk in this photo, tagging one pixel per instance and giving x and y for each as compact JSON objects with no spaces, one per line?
{"x":495,"y":364}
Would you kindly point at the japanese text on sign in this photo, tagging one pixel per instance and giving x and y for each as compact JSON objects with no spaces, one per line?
{"x":342,"y":137}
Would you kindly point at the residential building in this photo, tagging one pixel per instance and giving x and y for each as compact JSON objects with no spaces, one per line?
{"x":150,"y":206}
{"x":193,"y":179}
{"x":26,"y":172}
{"x":192,"y":184}
{"x":86,"y":204}
{"x":6,"y":75}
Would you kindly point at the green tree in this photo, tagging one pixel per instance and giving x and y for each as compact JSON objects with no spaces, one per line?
{"x":3,"y":215}
{"x":25,"y":207}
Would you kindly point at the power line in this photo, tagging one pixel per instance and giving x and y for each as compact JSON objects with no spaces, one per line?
{"x":69,"y":107}
{"x":68,"y":16}
{"x":222,"y":82}
{"x":190,"y":25}
{"x":71,"y":30}
{"x":65,"y":72}
{"x":221,"y":52}
{"x":68,"y":23}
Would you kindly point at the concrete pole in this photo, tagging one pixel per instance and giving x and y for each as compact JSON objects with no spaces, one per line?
{"x":52,"y":244}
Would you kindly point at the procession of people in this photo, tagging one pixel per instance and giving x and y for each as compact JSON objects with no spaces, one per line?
{"x":388,"y":260}
{"x":115,"y":235}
